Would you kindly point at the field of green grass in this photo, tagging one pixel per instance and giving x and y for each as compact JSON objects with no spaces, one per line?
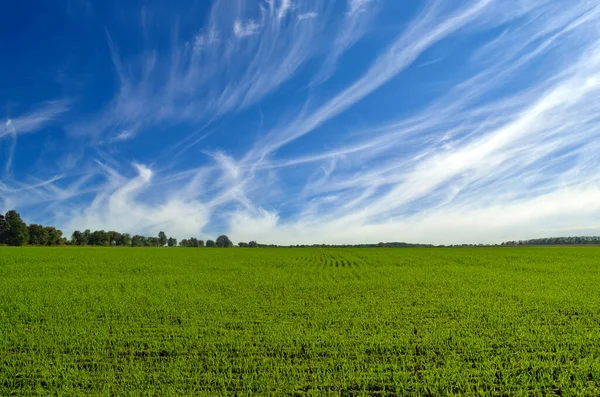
{"x":351,"y":322}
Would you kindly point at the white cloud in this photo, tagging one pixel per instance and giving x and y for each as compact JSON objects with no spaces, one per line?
{"x":42,"y":115}
{"x":11,"y":151}
{"x":505,"y":150}
{"x":211,"y":74}
{"x":307,"y":15}
{"x":120,"y":205}
{"x":202,"y":40}
{"x":124,"y":135}
{"x":353,"y":26}
{"x":357,"y":6}
{"x":493,"y":176}
{"x":529,"y":218}
{"x":36,"y":120}
{"x":425,"y":32}
{"x":284,"y":8}
{"x":244,"y":29}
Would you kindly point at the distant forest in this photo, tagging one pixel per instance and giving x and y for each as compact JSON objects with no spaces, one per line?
{"x":15,"y":232}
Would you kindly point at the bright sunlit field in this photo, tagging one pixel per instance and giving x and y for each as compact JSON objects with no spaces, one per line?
{"x":422,"y":322}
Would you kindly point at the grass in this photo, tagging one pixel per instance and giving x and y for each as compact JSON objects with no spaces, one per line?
{"x":351,"y":322}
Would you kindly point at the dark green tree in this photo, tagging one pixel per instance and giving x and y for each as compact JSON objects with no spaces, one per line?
{"x":77,"y":238}
{"x":3,"y":229}
{"x":38,"y":235}
{"x":138,"y":241}
{"x":162,"y":239}
{"x":16,"y":233}
{"x":125,"y":240}
{"x":100,"y":238}
{"x":210,"y":243}
{"x":243,"y":245}
{"x":172,"y":242}
{"x":224,"y":242}
{"x":253,"y":244}
{"x":54,"y":235}
{"x":114,"y":237}
{"x":86,"y":237}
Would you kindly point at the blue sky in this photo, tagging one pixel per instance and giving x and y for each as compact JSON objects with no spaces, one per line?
{"x":290,"y":121}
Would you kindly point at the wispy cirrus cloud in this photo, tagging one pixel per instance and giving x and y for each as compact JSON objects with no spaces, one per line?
{"x":35,"y":120}
{"x":475,"y":156}
{"x":214,"y":72}
{"x":243,"y":29}
{"x":499,"y":143}
{"x":124,"y":135}
{"x":425,"y":31}
{"x":28,"y":123}
{"x":354,"y":23}
{"x":117,"y":207}
{"x":11,"y":151}
{"x":307,"y":15}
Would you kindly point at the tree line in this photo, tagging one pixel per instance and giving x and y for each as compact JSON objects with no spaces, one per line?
{"x":582,"y":240}
{"x":112,"y":238}
{"x":14,"y":231}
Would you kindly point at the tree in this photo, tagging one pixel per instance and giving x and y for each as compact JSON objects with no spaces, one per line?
{"x":162,"y":239}
{"x":54,"y":235}
{"x":152,"y":242}
{"x":114,"y":237}
{"x":38,"y":235}
{"x":3,"y":229}
{"x":138,"y":241}
{"x":99,"y":237}
{"x":210,"y":243}
{"x":243,"y":245}
{"x":125,"y":240}
{"x":224,"y":242}
{"x":184,"y":243}
{"x":253,"y":244}
{"x":86,"y":237}
{"x":77,"y":238}
{"x":200,"y":243}
{"x":172,"y":242}
{"x":16,"y":233}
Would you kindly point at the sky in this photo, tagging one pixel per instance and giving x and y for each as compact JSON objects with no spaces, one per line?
{"x":303,"y":121}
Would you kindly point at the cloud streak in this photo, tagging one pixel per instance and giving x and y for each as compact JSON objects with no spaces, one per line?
{"x":243,"y":29}
{"x":423,"y":33}
{"x":240,"y":56}
{"x":38,"y":118}
{"x":498,"y":142}
{"x":31,"y":122}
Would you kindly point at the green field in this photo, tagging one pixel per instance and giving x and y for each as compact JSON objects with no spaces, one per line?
{"x":423,"y":322}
